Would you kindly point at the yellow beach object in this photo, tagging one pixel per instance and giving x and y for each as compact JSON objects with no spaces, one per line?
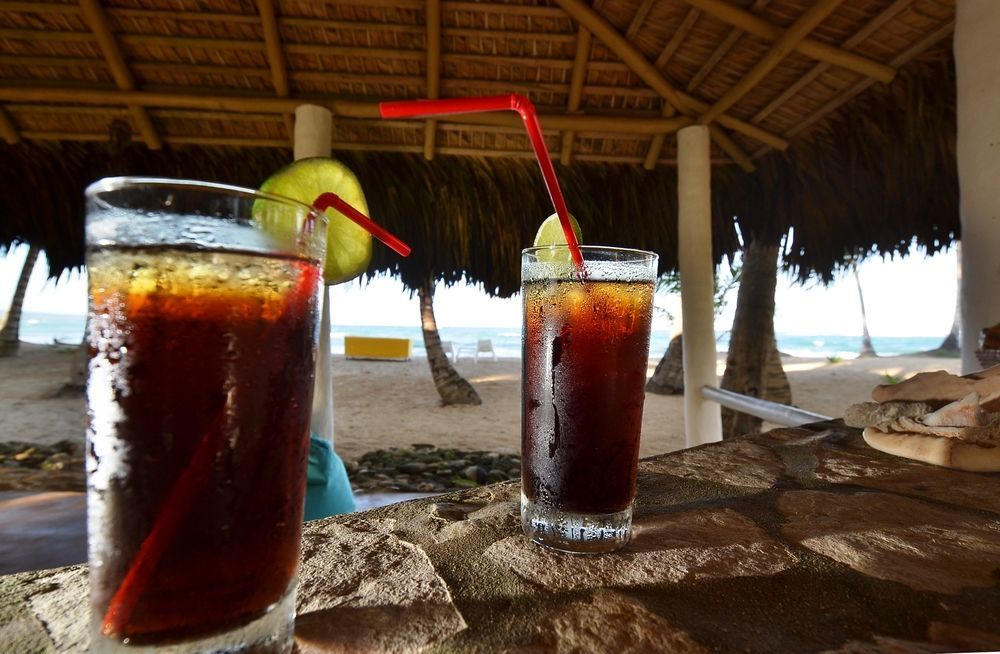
{"x":371,"y":347}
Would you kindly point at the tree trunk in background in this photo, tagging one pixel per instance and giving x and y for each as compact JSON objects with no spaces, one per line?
{"x":451,"y":386}
{"x":952,"y":343}
{"x":668,"y":379}
{"x":10,"y":339}
{"x":867,"y":349}
{"x":752,"y":364}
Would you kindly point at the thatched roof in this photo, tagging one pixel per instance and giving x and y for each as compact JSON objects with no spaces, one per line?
{"x":791,"y":89}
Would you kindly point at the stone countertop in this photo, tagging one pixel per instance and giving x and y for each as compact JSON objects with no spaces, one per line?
{"x":797,"y":540}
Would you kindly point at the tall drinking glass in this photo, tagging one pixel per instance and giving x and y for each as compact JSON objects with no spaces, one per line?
{"x":585,"y":354}
{"x":202,"y":331}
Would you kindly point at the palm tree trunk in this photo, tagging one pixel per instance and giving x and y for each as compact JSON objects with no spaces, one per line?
{"x":668,"y":379}
{"x":10,"y":339}
{"x":451,"y":386}
{"x":867,"y":349}
{"x":753,"y":366}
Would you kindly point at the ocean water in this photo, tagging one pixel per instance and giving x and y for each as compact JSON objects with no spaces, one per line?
{"x":47,"y":328}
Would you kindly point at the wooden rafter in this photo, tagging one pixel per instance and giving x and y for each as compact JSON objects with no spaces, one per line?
{"x":575,"y":90}
{"x":576,"y":86}
{"x":639,"y":18}
{"x":822,"y":66}
{"x":721,"y":50}
{"x":101,"y":29}
{"x":8,"y":131}
{"x":641,"y":66}
{"x":276,"y":58}
{"x":433,"y":15}
{"x":677,"y":38}
{"x":656,"y":143}
{"x":611,"y":123}
{"x":862,"y":85}
{"x":808,"y":47}
{"x":808,"y":21}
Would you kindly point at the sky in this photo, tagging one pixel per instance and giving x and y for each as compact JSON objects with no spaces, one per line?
{"x":912,"y":296}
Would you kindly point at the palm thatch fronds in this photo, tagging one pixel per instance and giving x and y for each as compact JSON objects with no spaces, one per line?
{"x":472,"y":217}
{"x":465,"y":217}
{"x":878,"y":181}
{"x":882,"y":181}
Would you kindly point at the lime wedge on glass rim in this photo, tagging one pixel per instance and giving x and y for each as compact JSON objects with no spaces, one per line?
{"x":348,"y":246}
{"x":550,"y":233}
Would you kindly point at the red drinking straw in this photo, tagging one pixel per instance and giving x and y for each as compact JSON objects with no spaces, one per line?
{"x":184,"y":492}
{"x":513,"y":102}
{"x":328,"y":200}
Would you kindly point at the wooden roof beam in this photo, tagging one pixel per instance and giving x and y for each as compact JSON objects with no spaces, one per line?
{"x":899,"y":60}
{"x":623,"y":124}
{"x":276,"y":59}
{"x":808,"y":47}
{"x":94,"y":15}
{"x":575,"y":90}
{"x":822,"y":66}
{"x":678,"y":37}
{"x":433,"y":17}
{"x":656,"y":143}
{"x":721,"y":50}
{"x":806,"y":23}
{"x":635,"y":60}
{"x":8,"y":131}
{"x":638,"y":19}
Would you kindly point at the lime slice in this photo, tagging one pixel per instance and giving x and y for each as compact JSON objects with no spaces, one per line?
{"x":550,"y":234}
{"x":348,"y":246}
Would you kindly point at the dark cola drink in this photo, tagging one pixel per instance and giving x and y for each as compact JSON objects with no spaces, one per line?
{"x":585,"y":356}
{"x":201,"y":374}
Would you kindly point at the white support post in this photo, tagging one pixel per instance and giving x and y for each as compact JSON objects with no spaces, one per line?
{"x":313,"y":129}
{"x":978,"y":68}
{"x":702,"y":418}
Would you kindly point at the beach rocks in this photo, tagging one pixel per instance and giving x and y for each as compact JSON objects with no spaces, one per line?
{"x":429,"y":469}
{"x":26,"y":466}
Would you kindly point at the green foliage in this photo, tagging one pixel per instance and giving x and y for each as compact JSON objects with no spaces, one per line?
{"x":726,"y":278}
{"x":888,"y":378}
{"x":835,"y":358}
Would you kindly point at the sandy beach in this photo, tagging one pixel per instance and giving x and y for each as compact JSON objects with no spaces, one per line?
{"x":384,"y":404}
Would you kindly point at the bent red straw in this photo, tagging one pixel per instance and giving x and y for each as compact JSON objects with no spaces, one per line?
{"x":512,"y":102}
{"x":328,"y":200}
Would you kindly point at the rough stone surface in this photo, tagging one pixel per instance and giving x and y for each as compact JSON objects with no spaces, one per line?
{"x":908,"y":477}
{"x":889,"y":537}
{"x":584,"y":627}
{"x":368,"y":591}
{"x":665,"y":549}
{"x":796,"y":540}
{"x":884,"y":645}
{"x":426,"y":468}
{"x":30,"y":466}
{"x":45,"y":611}
{"x":734,"y":463}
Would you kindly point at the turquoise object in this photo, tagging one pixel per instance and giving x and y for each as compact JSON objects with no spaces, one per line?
{"x":328,"y":491}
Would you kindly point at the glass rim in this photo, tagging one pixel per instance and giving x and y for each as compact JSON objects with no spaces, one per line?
{"x":117,"y":183}
{"x":642,"y":254}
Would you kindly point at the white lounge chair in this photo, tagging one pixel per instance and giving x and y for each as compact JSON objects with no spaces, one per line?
{"x":484,"y":346}
{"x":449,"y":350}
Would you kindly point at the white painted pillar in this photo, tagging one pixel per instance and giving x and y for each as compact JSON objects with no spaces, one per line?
{"x":313,"y":129}
{"x":702,"y":418}
{"x":977,"y":63}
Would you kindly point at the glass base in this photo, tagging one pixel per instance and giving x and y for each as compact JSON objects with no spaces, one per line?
{"x":578,"y":533}
{"x":272,"y":633}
